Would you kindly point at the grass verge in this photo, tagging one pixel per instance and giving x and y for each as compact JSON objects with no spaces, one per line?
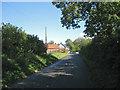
{"x":101,"y":77}
{"x":59,"y":55}
{"x":24,"y":65}
{"x":91,"y":67}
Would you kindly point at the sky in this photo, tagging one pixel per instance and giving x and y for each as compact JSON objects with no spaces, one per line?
{"x":34,"y":16}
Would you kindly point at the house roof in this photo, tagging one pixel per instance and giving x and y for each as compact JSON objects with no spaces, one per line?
{"x":64,"y":45}
{"x":53,"y":46}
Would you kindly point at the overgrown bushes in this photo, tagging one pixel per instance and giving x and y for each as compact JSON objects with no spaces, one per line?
{"x":15,"y":42}
{"x":14,"y":69}
{"x":22,"y":54}
{"x":102,"y":57}
{"x":102,"y":22}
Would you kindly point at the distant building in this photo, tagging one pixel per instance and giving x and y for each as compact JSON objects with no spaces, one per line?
{"x":57,"y":48}
{"x":63,"y":48}
{"x":52,"y":48}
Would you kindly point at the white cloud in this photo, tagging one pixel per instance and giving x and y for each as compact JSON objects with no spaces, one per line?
{"x":82,"y":35}
{"x":0,"y":26}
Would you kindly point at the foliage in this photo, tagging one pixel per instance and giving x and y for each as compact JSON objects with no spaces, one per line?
{"x":70,"y":44}
{"x":101,"y":17}
{"x":77,"y":44}
{"x":18,"y":68}
{"x":102,"y":22}
{"x":80,"y":43}
{"x":51,"y":42}
{"x":22,"y":54}
{"x":15,"y":41}
{"x":102,"y":57}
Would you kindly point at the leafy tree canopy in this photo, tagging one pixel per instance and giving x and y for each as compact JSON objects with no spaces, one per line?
{"x":15,"y":41}
{"x":51,"y":42}
{"x":100,"y":17}
{"x":70,"y":44}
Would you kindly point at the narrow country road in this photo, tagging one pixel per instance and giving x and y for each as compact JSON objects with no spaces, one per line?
{"x":69,"y":72}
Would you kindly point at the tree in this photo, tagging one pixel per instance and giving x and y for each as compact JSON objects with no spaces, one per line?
{"x":68,"y":41}
{"x":15,"y":41}
{"x":102,"y":22}
{"x":70,"y":44}
{"x":77,"y":45}
{"x":51,"y":42}
{"x":101,"y":17}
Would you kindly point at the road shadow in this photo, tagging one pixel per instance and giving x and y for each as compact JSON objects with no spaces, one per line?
{"x":68,"y":72}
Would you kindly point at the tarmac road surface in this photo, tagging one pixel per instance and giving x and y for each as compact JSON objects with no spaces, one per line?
{"x":68,"y":72}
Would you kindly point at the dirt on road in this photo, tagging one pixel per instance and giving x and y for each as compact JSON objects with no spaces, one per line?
{"x":68,"y":72}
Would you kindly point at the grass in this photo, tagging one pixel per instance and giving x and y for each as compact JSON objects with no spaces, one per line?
{"x":89,"y":63}
{"x":21,"y":67}
{"x":59,"y":55}
{"x":101,"y":77}
{"x":92,"y":68}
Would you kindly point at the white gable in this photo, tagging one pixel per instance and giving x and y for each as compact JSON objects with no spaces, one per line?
{"x":61,"y":46}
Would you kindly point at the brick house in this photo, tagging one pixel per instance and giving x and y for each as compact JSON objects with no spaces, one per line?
{"x":52,"y":48}
{"x":57,"y":48}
